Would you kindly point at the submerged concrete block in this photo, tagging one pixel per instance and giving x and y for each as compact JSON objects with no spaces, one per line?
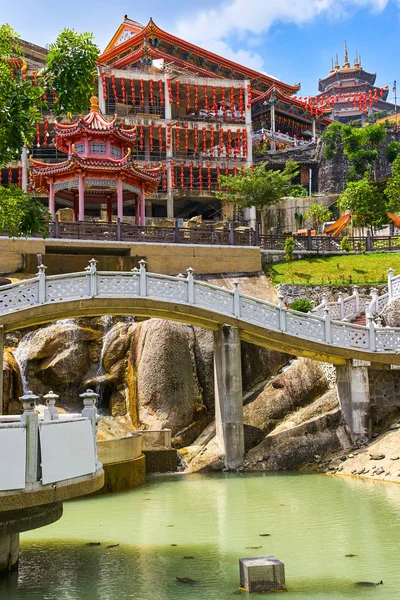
{"x":262,"y":574}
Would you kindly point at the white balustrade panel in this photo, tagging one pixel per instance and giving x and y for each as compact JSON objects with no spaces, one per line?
{"x":305,"y":326}
{"x":214,"y":298}
{"x":387,"y":339}
{"x":166,"y":288}
{"x":382,"y":302}
{"x":350,"y":336}
{"x":396,"y":286}
{"x":67,"y":287}
{"x":349,"y":307}
{"x":259,"y":313}
{"x":117,"y":285}
{"x":67,"y":450}
{"x":12,"y":457}
{"x":18,"y":296}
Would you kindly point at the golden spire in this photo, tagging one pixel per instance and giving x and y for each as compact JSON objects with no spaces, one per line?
{"x":337,"y":67}
{"x":357,"y":61}
{"x":333,"y":67}
{"x":346,"y":57}
{"x":94,"y":104}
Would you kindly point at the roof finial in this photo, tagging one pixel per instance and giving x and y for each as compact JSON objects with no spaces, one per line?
{"x":346,"y":57}
{"x":94,"y":104}
{"x":332,"y":67}
{"x":337,"y":62}
{"x":357,"y":61}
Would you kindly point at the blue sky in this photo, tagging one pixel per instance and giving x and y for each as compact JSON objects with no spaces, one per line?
{"x":292,"y":40}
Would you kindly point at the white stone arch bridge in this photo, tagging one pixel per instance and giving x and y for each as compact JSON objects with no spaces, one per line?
{"x":231,"y":315}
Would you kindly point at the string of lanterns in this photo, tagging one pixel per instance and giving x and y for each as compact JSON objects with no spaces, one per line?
{"x":318,"y":105}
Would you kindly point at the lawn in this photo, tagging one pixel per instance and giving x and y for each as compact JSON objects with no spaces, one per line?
{"x":336,"y":270}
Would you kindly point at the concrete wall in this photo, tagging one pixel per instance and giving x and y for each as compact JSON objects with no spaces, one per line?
{"x":169,"y":259}
{"x":280,"y":217}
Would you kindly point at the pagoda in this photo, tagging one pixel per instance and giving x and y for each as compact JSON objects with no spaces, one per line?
{"x":99,"y":169}
{"x":353,"y":91}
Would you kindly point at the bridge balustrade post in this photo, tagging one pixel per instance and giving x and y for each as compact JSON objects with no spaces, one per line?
{"x":372,"y":333}
{"x":231,"y":234}
{"x":356,"y":294}
{"x":51,"y":412}
{"x":41,"y":274}
{"x":328,"y":326}
{"x":118,"y":230}
{"x":89,"y":411}
{"x":31,"y":420}
{"x":340,"y":305}
{"x":228,"y":395}
{"x":236,"y":300}
{"x":368,"y":241}
{"x":190,"y":280}
{"x":390,"y":283}
{"x":282,"y":313}
{"x":56,"y":227}
{"x":92,"y":271}
{"x":142,"y":278}
{"x":374,"y":300}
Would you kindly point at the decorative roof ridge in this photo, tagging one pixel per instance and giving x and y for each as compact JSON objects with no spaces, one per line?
{"x":38,"y":164}
{"x":151,"y":29}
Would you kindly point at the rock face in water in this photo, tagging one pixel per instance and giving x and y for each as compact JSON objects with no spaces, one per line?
{"x":12,"y":387}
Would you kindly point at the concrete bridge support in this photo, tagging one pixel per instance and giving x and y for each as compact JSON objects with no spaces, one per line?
{"x":228,"y":394}
{"x":9,"y":552}
{"x":354,"y":396}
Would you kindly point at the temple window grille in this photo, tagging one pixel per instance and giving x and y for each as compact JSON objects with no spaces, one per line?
{"x":97,"y":148}
{"x":115,"y":152}
{"x":80,"y":148}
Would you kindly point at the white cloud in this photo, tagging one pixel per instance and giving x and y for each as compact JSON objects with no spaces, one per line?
{"x":244,"y":18}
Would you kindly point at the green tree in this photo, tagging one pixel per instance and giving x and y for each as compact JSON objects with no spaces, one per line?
{"x":392,"y":151}
{"x":20,"y":99}
{"x":392,"y":190}
{"x":332,"y":138}
{"x":318,"y":215}
{"x":71,"y":63}
{"x":259,"y":187}
{"x":366,"y":203}
{"x":20,"y":214}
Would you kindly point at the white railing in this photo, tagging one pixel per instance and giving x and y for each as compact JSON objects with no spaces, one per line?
{"x":321,"y":326}
{"x":36,"y":452}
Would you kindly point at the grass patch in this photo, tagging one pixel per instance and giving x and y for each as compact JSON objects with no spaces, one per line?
{"x":361,"y":269}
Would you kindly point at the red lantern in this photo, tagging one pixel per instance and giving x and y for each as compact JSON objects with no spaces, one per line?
{"x":196,"y":138}
{"x":104,"y":82}
{"x":141,"y":92}
{"x":214,"y":99}
{"x":241,"y":103}
{"x":229,"y":144}
{"x":172,"y":175}
{"x":169,"y":135}
{"x":209,"y":176}
{"x":37,"y":135}
{"x":123,"y":91}
{"x":200,"y":176}
{"x":191,"y":176}
{"x":221,"y":145}
{"x":218,"y":174}
{"x":249,"y":95}
{"x":35,"y":80}
{"x":46,"y":132}
{"x":160,"y":138}
{"x":244,"y":143}
{"x":165,"y":177}
{"x":133,"y":91}
{"x":182,"y":176}
{"x":151,"y":92}
{"x":196,"y":96}
{"x":178,"y":136}
{"x":170,"y":94}
{"x":232,"y":101}
{"x":141,"y":137}
{"x":205,"y":89}
{"x":223,"y":103}
{"x":187,"y":96}
{"x":186,"y":136}
{"x":151,"y":137}
{"x":204,"y":139}
{"x":19,"y":177}
{"x":10,"y":176}
{"x":382,"y":93}
{"x":161,"y":91}
{"x":177,"y":92}
{"x":212,"y":143}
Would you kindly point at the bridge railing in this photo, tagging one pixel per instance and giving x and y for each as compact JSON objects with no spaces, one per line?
{"x":36,"y":451}
{"x":185,"y":290}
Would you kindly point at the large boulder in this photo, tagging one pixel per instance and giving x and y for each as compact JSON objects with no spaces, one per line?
{"x":391,"y":313}
{"x":12,"y":384}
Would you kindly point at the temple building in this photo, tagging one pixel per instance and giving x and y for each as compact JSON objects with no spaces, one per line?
{"x":99,"y":169}
{"x":352,"y":92}
{"x":193,"y":116}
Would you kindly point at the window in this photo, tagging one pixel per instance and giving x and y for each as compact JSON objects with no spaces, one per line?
{"x":97,"y":148}
{"x":115,"y":152}
{"x":80,"y":148}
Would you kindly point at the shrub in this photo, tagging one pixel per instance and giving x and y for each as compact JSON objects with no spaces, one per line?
{"x":289,"y":248}
{"x":302,"y":305}
{"x":345,"y":244}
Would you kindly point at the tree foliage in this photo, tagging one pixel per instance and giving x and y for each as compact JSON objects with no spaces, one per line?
{"x":21,"y":215}
{"x":392,"y":190}
{"x":258,"y":187}
{"x":366,"y":202}
{"x":318,"y":215}
{"x":392,"y":151}
{"x":360,"y":146}
{"x":71,"y":63}
{"x":20,"y":99}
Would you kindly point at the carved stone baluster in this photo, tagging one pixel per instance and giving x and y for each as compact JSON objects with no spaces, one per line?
{"x":390,"y":283}
{"x":142,"y":278}
{"x":282,"y":313}
{"x":190,"y":280}
{"x":41,"y":284}
{"x":372,"y":333}
{"x":356,"y":294}
{"x":89,"y":411}
{"x":31,"y":420}
{"x":328,"y":327}
{"x":340,"y":306}
{"x":236,"y":300}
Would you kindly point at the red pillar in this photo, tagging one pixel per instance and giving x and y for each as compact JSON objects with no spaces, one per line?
{"x":142,"y":207}
{"x":81,"y":198}
{"x":120,"y":209}
{"x":137,"y":214}
{"x":75,"y":208}
{"x":52,"y":201}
